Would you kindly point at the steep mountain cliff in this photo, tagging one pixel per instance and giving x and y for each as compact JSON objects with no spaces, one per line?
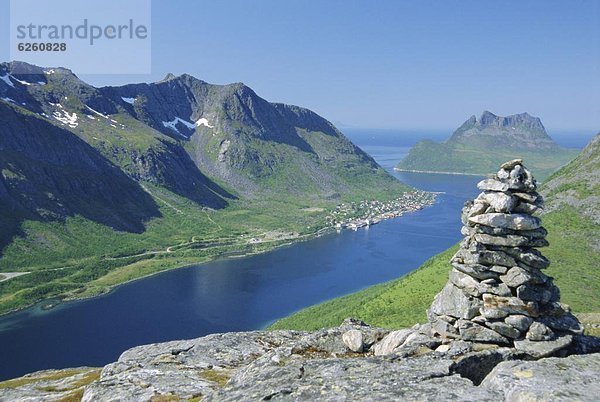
{"x":48,"y":173}
{"x":157,"y":132}
{"x":480,"y":144}
{"x":252,"y":145}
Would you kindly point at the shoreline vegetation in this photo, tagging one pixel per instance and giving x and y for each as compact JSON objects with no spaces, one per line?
{"x":350,"y":216}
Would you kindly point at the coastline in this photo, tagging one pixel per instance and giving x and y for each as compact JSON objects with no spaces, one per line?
{"x":268,"y":247}
{"x":438,"y":172}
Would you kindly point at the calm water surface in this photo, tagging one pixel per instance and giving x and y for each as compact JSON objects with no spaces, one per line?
{"x":237,"y":294}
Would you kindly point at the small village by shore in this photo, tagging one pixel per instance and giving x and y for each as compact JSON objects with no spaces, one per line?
{"x":356,"y":215}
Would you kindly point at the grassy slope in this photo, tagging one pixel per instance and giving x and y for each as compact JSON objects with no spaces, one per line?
{"x":428,"y":155}
{"x":403,"y":302}
{"x":84,"y":256}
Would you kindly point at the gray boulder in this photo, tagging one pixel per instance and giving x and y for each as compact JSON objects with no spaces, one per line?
{"x":492,"y":185}
{"x":508,"y":166}
{"x":499,"y":307}
{"x":535,"y":199}
{"x":506,"y":241}
{"x":520,"y":322}
{"x":473,"y":287}
{"x":517,"y":276}
{"x":507,"y":221}
{"x":539,"y":349}
{"x":539,"y":332}
{"x":564,"y":322}
{"x":500,"y":202}
{"x":391,"y":341}
{"x":470,"y":331}
{"x":574,"y":378}
{"x":453,"y":302}
{"x":477,"y":271}
{"x":504,"y":329}
{"x":354,"y":340}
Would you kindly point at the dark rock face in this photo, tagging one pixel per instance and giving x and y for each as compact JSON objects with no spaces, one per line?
{"x":518,"y":130}
{"x":496,"y":292}
{"x":186,"y":135}
{"x":47,"y":173}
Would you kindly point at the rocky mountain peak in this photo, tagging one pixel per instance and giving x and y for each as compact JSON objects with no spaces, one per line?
{"x":513,"y":121}
{"x":168,"y":77}
{"x":520,"y":131}
{"x":20,"y":67}
{"x":487,"y":117}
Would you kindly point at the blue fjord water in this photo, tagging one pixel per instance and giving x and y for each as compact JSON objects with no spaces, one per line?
{"x":237,"y":294}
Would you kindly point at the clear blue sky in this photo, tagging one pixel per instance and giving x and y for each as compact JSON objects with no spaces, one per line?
{"x":388,"y":64}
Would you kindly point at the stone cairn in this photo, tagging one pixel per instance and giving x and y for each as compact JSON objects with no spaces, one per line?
{"x":496,"y":291}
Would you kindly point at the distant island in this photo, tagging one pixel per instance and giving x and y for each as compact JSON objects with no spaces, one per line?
{"x":479,"y":145}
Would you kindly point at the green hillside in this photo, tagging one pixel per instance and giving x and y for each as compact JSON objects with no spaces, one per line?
{"x":573,"y":233}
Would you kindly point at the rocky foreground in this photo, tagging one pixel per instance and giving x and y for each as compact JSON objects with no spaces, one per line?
{"x":350,"y":362}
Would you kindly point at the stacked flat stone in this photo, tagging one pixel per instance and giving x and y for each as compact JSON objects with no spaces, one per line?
{"x":497,"y":292}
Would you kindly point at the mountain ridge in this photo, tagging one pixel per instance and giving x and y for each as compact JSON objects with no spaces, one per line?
{"x":185,"y":108}
{"x":529,"y":129}
{"x":577,"y":184}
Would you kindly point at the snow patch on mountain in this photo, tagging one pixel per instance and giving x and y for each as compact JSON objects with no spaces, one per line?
{"x":97,"y":112}
{"x":66,"y":118}
{"x":173,"y":125}
{"x":20,"y":81}
{"x":110,"y":121}
{"x":6,"y":78}
{"x":203,"y":122}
